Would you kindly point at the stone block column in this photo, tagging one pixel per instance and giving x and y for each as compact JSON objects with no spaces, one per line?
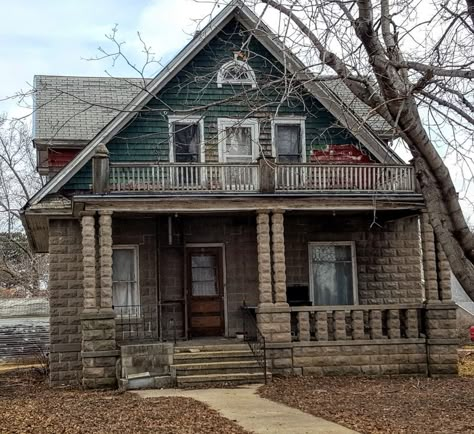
{"x":444,"y":274}
{"x":105,"y":254}
{"x":429,"y":259}
{"x":273,"y":319}
{"x":264,"y":259}
{"x":98,"y":346}
{"x":89,"y":262}
{"x":278,"y":258}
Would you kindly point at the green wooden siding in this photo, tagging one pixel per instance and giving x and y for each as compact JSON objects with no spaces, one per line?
{"x":146,"y":138}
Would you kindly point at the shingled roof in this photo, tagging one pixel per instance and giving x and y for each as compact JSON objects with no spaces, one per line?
{"x":77,"y":108}
{"x":71,"y":108}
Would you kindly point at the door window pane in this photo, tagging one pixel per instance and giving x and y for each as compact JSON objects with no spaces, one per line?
{"x":332,"y":275}
{"x":124,"y":281}
{"x":186,"y":142}
{"x":288,"y":143}
{"x":203,"y":275}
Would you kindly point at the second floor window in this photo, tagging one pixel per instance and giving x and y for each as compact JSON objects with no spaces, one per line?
{"x":289,"y":140}
{"x":238,"y":140}
{"x":186,"y":140}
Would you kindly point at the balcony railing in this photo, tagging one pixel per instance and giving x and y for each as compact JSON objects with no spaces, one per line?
{"x":311,"y":177}
{"x":265,"y":176}
{"x":171,"y":177}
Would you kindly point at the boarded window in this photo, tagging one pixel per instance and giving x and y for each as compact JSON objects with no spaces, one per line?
{"x":126,"y":298}
{"x":186,"y":142}
{"x":332,"y":274}
{"x":288,"y":143}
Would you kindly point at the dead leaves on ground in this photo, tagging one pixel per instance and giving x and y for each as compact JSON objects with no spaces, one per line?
{"x":31,"y":407}
{"x":382,"y":405}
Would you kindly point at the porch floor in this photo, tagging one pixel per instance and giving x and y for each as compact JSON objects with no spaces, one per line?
{"x":212,"y":340}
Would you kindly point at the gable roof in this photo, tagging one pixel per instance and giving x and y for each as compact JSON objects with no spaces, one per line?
{"x":235,"y":9}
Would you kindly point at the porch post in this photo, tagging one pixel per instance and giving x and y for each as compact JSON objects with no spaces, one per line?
{"x":278,"y":251}
{"x":429,"y":259}
{"x":440,"y":315}
{"x":264,"y":258}
{"x":105,"y":252}
{"x":98,"y":346}
{"x":89,"y":262}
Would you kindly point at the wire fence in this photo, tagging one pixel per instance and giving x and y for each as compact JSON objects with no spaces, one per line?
{"x":24,"y":307}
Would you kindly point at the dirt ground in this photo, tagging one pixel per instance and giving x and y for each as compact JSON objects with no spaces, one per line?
{"x":27,"y":405}
{"x":382,"y":405}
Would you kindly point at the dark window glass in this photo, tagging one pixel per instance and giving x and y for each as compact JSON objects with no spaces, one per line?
{"x":288,"y":143}
{"x":186,"y":142}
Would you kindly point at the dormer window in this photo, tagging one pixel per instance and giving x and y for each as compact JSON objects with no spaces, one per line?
{"x":236,"y":72}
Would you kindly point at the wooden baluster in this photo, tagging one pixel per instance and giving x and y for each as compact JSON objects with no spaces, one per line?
{"x":321,"y":328}
{"x":375,"y":324}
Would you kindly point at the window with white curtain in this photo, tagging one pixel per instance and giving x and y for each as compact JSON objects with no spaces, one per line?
{"x":332,"y":273}
{"x":126,"y":296}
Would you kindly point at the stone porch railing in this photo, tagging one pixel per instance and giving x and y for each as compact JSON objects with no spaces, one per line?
{"x":361,"y":322}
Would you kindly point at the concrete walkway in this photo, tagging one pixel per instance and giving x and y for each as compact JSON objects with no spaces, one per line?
{"x":253,"y":413}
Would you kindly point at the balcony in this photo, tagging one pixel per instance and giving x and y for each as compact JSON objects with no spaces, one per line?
{"x":262,"y":177}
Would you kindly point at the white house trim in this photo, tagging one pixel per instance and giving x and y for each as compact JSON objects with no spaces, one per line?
{"x":290,"y":120}
{"x":250,"y":81}
{"x":184,"y":119}
{"x":223,"y":123}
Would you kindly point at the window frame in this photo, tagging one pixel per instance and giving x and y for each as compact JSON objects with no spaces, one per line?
{"x":355,"y":285}
{"x":252,"y":123}
{"x":290,"y":121}
{"x":220,"y":74}
{"x":136,"y":254}
{"x":186,"y":120}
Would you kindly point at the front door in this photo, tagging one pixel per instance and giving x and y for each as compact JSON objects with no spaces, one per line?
{"x":205,"y":291}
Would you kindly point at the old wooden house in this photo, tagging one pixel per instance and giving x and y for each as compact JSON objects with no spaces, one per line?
{"x":232,"y":196}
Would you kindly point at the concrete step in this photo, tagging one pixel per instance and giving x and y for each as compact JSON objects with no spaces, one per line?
{"x":213,"y":356}
{"x":238,"y":378}
{"x":194,"y":348}
{"x":232,"y":367}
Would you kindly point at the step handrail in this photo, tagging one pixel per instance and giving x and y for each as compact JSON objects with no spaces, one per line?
{"x":254,"y":337}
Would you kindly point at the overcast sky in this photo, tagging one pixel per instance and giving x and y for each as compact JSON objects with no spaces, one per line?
{"x":56,"y":36}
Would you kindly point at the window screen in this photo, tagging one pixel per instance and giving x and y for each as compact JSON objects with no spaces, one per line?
{"x":124,"y":281}
{"x":331,"y":267}
{"x":238,"y":144}
{"x":288,"y":143}
{"x":186,"y":142}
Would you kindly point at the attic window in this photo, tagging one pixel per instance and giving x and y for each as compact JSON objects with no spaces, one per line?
{"x":236,"y":72}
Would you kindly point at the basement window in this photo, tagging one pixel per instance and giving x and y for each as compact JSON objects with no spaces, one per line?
{"x":125,"y":289}
{"x":332,"y":270}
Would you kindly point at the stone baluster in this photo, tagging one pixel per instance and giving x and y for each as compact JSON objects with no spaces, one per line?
{"x":278,"y":256}
{"x":444,"y":274}
{"x":321,"y":326}
{"x":358,"y":331}
{"x":89,"y":263}
{"x":375,"y":324}
{"x":303,"y":327}
{"x":264,"y":258}
{"x":105,"y":254}
{"x":340,"y":333}
{"x":412,"y":323}
{"x":393,"y":324}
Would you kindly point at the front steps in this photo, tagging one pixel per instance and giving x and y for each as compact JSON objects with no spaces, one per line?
{"x":198,"y":365}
